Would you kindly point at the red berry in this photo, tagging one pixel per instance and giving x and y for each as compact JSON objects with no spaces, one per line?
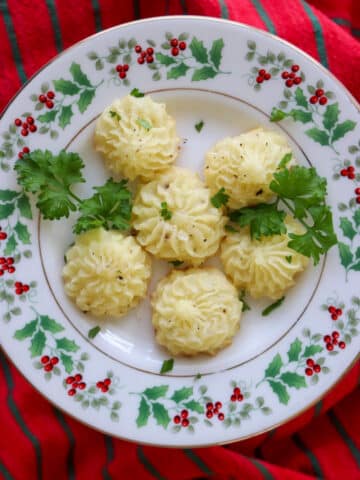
{"x":357,"y":199}
{"x":149,"y":51}
{"x":330,"y":347}
{"x":221,"y":417}
{"x":138,"y":49}
{"x":26,"y":149}
{"x":209,"y":414}
{"x":125,"y":67}
{"x":182,"y":45}
{"x":240,"y":397}
{"x":342,"y":345}
{"x":327,"y":339}
{"x":351,"y":175}
{"x":3,"y":260}
{"x":30,"y":120}
{"x":177,"y":419}
{"x":218,"y":405}
{"x":237,"y":391}
{"x":335,"y":334}
{"x":42,"y":98}
{"x":149,"y":59}
{"x":18,"y":291}
{"x":20,"y":155}
{"x":344,"y":172}
{"x":310,"y":362}
{"x":292,"y":75}
{"x":317,"y":368}
{"x":44,"y":359}
{"x":5,"y":267}
{"x":18,"y":122}
{"x":334,"y":342}
{"x":314,"y":99}
{"x":185,"y":422}
{"x":104,"y":389}
{"x":319,"y":92}
{"x":49,"y":104}
{"x":184,"y":414}
{"x":107,"y":382}
{"x":1,"y":273}
{"x":175,"y":51}
{"x":119,"y":68}
{"x":289,"y":83}
{"x":267,"y":76}
{"x":309,"y":372}
{"x":10,"y":261}
{"x":3,"y":235}
{"x":216,"y":411}
{"x":140,"y":60}
{"x":174,"y":42}
{"x":334,"y":316}
{"x":25,"y":125}
{"x":209,"y":406}
{"x":262,"y":72}
{"x":33,"y":128}
{"x":50,"y":95}
{"x":25,"y":288}
{"x":233,"y":398}
{"x":70,"y":380}
{"x":48,"y":367}
{"x":17,"y":284}
{"x":122,"y":75}
{"x":285,"y":75}
{"x":24,"y":132}
{"x":82,"y":385}
{"x":11,"y":269}
{"x":297,"y":80}
{"x":143,"y":54}
{"x":100,"y":384}
{"x":259,"y":79}
{"x":331,"y":309}
{"x":295,"y":68}
{"x":323,"y":100}
{"x":357,"y":191}
{"x":72,"y":392}
{"x":78,"y":377}
{"x":54,"y":360}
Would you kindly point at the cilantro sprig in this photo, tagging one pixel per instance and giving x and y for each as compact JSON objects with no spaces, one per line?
{"x":220,"y":198}
{"x":165,"y":212}
{"x":50,"y":177}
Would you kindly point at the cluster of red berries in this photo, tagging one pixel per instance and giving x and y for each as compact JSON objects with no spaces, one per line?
{"x":3,"y":235}
{"x":348,"y":172}
{"x":290,"y":77}
{"x":146,"y":55}
{"x":312,"y":367}
{"x":47,"y":99}
{"x":27,"y":126}
{"x":263,"y":75}
{"x":76,"y":383}
{"x":333,"y":340}
{"x":176,"y":46}
{"x":122,"y":69}
{"x":357,"y":193}
{"x":21,"y":288}
{"x":6,"y":264}
{"x":182,"y":418}
{"x":237,"y":396}
{"x":212,"y":410}
{"x":23,"y":151}
{"x":319,"y":97}
{"x":334,"y":312}
{"x":48,"y":362}
{"x":104,"y":385}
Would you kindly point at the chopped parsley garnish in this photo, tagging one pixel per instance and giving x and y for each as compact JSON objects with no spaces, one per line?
{"x":245,"y":305}
{"x":94,"y":331}
{"x":115,"y":114}
{"x":176,"y":263}
{"x":285,"y":160}
{"x":288,"y":258}
{"x":167,"y":366}
{"x":144,"y":123}
{"x":230,"y":228}
{"x":165,"y":212}
{"x":199,"y":126}
{"x":264,"y":219}
{"x":220,"y":198}
{"x":272,"y":307}
{"x":135,"y":92}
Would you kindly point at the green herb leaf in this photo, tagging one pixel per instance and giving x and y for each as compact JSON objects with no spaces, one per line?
{"x":176,"y":263}
{"x":220,"y":198}
{"x":272,"y":307}
{"x":115,"y":115}
{"x":245,"y":305}
{"x":94,"y":331}
{"x":285,"y":160}
{"x":277,"y":115}
{"x":167,"y":366}
{"x":165,"y":212}
{"x":288,"y":258}
{"x":135,"y":92}
{"x":264,"y":219}
{"x":199,"y":126}
{"x":144,"y":123}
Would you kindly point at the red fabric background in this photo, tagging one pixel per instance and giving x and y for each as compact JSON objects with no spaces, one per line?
{"x":36,"y":440}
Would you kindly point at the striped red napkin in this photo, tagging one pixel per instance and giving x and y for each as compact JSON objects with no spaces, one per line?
{"x":37,"y":441}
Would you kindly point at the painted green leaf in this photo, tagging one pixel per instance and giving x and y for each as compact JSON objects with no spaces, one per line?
{"x":24,"y":207}
{"x":356,"y":217}
{"x":346,"y":256}
{"x":251,"y":44}
{"x":160,"y":414}
{"x":311,"y":350}
{"x":194,"y":406}
{"x":78,"y":75}
{"x":319,"y":136}
{"x":11,"y":245}
{"x":347,"y":228}
{"x":280,"y":390}
{"x":342,"y":129}
{"x":156,"y":392}
{"x":67,"y":361}
{"x":164,"y":59}
{"x":8,"y":195}
{"x":356,"y":267}
{"x":37,"y":344}
{"x":249,"y":56}
{"x":50,"y":325}
{"x":331,"y":116}
{"x":66,"y":87}
{"x":22,"y":233}
{"x":293,"y":379}
{"x":86,"y":97}
{"x":67,"y":345}
{"x":198,"y":50}
{"x":203,"y":74}
{"x":300,"y":98}
{"x":294,"y":351}
{"x":27,"y":331}
{"x":99,"y":64}
{"x":47,"y":117}
{"x":65,"y":116}
{"x":216,"y":52}
{"x":143,"y":414}
{"x":6,"y":209}
{"x":114,"y":416}
{"x":301,"y":116}
{"x":178,"y":71}
{"x":275,"y":366}
{"x":182,"y":394}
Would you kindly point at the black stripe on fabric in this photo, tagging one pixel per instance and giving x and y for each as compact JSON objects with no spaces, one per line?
{"x":313,"y":460}
{"x":149,"y":467}
{"x":70,"y":436}
{"x":345,"y":436}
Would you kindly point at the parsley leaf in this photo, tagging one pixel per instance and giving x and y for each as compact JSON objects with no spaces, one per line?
{"x":167,"y":366}
{"x":94,"y":331}
{"x":110,"y":207}
{"x":264,"y":219}
{"x":272,"y":307}
{"x":220,"y":198}
{"x":176,"y":263}
{"x":285,"y":160}
{"x":144,"y":123}
{"x":245,"y":305}
{"x":165,"y":212}
{"x":50,"y":177}
{"x":199,"y":126}
{"x":288,"y":258}
{"x":135,"y":92}
{"x":115,"y":114}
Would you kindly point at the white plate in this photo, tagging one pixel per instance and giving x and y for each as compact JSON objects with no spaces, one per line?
{"x":260,"y":380}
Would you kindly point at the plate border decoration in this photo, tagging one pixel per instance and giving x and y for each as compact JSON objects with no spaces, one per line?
{"x":58,"y":357}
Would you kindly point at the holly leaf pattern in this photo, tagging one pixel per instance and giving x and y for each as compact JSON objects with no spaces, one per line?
{"x":65,"y":116}
{"x":293,"y":379}
{"x":319,"y":136}
{"x":164,"y":59}
{"x":203,"y":74}
{"x":198,"y":50}
{"x":160,"y":414}
{"x":22,"y":233}
{"x":331,"y":116}
{"x":194,"y":406}
{"x":216,"y":52}
{"x":347,"y":228}
{"x":280,"y":390}
{"x":24,"y":207}
{"x":311,"y":350}
{"x":156,"y":392}
{"x":300,"y":98}
{"x":86,"y":97}
{"x":50,"y":325}
{"x":66,"y":87}
{"x":301,"y":116}
{"x":182,"y":394}
{"x":67,"y":361}
{"x":346,"y":256}
{"x":6,"y":209}
{"x":67,"y":345}
{"x":78,"y":75}
{"x":47,"y":117}
{"x":27,"y":331}
{"x":11,"y":245}
{"x":342,"y":129}
{"x":294,"y":351}
{"x":8,"y":195}
{"x":178,"y":71}
{"x":356,"y":217}
{"x":275,"y":366}
{"x":143,"y":414}
{"x":37,"y":344}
